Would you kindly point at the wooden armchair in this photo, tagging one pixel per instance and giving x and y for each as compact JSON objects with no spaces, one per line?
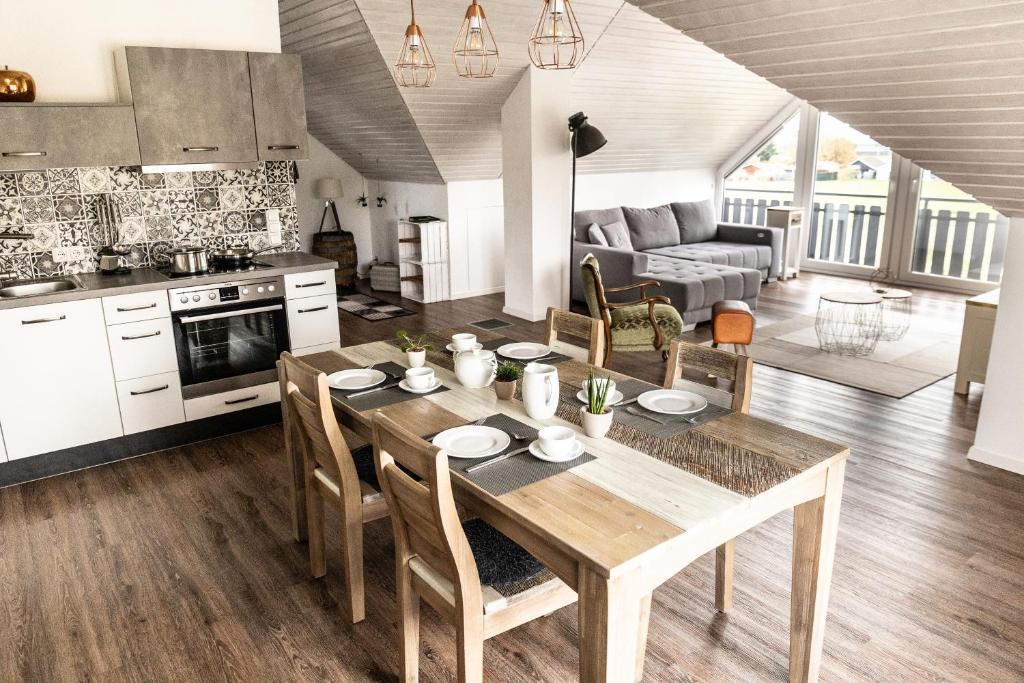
{"x":640,"y":325}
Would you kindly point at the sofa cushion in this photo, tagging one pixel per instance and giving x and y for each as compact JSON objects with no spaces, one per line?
{"x":721,"y":253}
{"x":582,"y":220}
{"x":617,"y":236}
{"x":696,"y":286}
{"x":596,"y":235}
{"x":652,"y":228}
{"x":696,"y":221}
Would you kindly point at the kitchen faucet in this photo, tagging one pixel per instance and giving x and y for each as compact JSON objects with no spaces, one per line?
{"x":7,"y":275}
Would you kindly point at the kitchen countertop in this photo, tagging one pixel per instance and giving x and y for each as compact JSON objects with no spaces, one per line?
{"x":149,"y":279}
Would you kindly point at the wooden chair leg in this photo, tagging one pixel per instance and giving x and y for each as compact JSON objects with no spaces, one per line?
{"x":725,"y":557}
{"x":352,"y":565}
{"x":315,"y":529}
{"x":409,"y":628}
{"x":470,"y":644}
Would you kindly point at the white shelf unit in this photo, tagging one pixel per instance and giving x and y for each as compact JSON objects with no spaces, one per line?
{"x":423,"y":261}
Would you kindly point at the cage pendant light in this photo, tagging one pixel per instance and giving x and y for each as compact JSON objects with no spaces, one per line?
{"x":556,"y":41}
{"x":475,"y":53}
{"x":415,"y":67}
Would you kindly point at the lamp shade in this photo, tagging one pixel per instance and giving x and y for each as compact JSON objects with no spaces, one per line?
{"x":586,"y":138}
{"x":328,"y":188}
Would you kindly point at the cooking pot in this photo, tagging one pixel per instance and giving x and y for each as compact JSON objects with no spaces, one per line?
{"x":187,"y":260}
{"x":235,"y":257}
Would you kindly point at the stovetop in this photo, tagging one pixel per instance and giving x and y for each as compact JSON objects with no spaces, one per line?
{"x":214,"y":270}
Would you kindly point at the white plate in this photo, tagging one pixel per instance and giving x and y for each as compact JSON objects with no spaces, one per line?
{"x":538,"y":452}
{"x":476,"y":347}
{"x":614,"y":396}
{"x":672,"y":402}
{"x":404,"y":384}
{"x":472,"y":441}
{"x":357,"y":378}
{"x":523,"y":350}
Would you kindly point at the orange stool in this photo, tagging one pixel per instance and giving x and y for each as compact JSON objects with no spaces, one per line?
{"x":732,"y":323}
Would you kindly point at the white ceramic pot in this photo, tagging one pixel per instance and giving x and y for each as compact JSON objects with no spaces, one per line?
{"x":476,"y":368}
{"x":540,"y":390}
{"x":416,"y":358}
{"x":596,"y":426}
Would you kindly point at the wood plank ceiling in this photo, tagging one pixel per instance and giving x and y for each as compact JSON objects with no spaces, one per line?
{"x":940,"y":83}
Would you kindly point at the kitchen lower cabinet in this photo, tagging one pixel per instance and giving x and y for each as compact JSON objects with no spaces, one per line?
{"x":58,"y":380}
{"x":151,"y":402}
{"x":313,"y":321}
{"x":232,"y":401}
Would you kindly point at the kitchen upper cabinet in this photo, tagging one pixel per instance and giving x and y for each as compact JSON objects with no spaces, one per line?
{"x":191,"y":106}
{"x":58,"y":379}
{"x":278,"y":102}
{"x":36,"y":136}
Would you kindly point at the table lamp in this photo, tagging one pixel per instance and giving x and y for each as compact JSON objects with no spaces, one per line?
{"x":329,"y":189}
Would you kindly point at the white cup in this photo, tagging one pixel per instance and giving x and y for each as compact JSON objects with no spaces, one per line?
{"x":557,"y":441}
{"x":599,"y":383}
{"x":463,"y":341}
{"x":419,"y":378}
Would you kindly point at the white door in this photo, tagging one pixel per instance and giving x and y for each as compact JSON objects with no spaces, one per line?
{"x":57,"y":376}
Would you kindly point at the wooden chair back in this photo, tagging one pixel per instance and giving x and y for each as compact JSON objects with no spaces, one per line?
{"x":714,"y":363}
{"x":581,"y":327}
{"x":423,"y":513}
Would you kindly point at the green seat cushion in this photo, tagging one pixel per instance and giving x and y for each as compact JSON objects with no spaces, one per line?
{"x":632,"y":331}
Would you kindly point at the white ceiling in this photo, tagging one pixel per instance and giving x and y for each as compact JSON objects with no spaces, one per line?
{"x":940,"y":83}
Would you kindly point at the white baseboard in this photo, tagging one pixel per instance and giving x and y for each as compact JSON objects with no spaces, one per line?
{"x":524,"y":315}
{"x":1003,"y":462}
{"x":478,"y":292}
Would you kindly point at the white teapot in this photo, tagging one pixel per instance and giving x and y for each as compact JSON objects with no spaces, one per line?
{"x":475,"y":368}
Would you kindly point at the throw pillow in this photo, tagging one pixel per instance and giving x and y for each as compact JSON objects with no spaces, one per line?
{"x":617,"y":235}
{"x":696,"y":221}
{"x":596,"y":236}
{"x":652,"y":228}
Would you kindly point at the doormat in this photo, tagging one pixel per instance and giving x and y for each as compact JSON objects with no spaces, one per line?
{"x":370,"y":308}
{"x":491,"y":324}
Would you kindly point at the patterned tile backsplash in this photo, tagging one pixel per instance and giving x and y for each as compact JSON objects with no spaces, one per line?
{"x":159,"y":210}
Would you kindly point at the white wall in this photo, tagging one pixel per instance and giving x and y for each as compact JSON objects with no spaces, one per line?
{"x":404,"y":200}
{"x":999,"y":440}
{"x":476,"y":228}
{"x":323,"y":163}
{"x":68,"y":45}
{"x":643,"y":189}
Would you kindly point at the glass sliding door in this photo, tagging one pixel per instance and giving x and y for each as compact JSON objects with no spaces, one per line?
{"x":765,"y":178}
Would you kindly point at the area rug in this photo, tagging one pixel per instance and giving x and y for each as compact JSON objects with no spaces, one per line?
{"x":925,"y":355}
{"x":370,"y":308}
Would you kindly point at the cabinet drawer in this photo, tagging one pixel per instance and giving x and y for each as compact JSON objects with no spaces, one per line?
{"x":128,"y":308}
{"x":150,"y":402}
{"x":313,"y":321}
{"x":301,"y":285}
{"x":231,"y":401}
{"x":143,"y":348}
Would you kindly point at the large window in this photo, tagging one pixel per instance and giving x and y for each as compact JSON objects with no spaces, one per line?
{"x":764,"y":179}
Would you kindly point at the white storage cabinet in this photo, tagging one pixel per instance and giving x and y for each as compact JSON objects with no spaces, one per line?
{"x":312,"y":307}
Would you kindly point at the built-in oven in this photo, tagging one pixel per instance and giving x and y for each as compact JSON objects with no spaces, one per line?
{"x":228,"y":335}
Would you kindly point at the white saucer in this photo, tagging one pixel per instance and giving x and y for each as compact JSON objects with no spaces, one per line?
{"x":404,"y":384}
{"x":614,"y":396}
{"x":355,"y":379}
{"x":476,"y":347}
{"x":538,"y":452}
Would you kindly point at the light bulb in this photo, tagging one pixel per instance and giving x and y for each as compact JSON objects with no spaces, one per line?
{"x":415,"y":55}
{"x":476,"y":39}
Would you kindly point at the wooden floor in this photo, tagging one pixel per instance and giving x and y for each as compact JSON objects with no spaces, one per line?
{"x":179,"y":565}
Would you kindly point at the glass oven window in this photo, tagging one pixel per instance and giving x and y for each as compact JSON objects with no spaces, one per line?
{"x":231,"y":346}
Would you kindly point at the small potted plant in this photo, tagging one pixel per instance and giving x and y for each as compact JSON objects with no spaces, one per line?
{"x":505,"y":380}
{"x":415,"y":347}
{"x":597,"y":416}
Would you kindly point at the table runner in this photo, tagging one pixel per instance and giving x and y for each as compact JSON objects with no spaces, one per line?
{"x":385,"y":397}
{"x":674,"y":424}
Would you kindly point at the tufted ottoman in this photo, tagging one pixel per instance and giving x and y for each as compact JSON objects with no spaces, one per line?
{"x":695,"y":287}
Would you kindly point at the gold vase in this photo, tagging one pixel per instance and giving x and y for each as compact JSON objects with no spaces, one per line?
{"x":16,"y":86}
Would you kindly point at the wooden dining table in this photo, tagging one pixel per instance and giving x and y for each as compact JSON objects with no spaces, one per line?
{"x":624,"y":523}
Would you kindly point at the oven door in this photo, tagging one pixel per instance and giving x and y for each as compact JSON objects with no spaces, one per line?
{"x":229,"y":347}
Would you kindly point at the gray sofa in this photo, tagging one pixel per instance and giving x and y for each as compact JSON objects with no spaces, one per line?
{"x":697,"y":260}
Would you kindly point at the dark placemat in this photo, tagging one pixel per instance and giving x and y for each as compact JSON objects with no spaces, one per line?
{"x":385,"y":397}
{"x":519,"y":470}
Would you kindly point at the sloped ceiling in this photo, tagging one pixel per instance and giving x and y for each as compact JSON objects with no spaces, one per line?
{"x":663,"y":100}
{"x":941,"y":83}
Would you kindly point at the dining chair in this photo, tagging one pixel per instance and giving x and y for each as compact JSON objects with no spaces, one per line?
{"x":579,"y":327}
{"x":640,"y":325}
{"x":469,"y":572}
{"x":333,"y":474}
{"x":739,"y":370}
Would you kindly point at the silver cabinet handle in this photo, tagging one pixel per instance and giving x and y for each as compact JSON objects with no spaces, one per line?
{"x":242,"y":400}
{"x":141,"y":336}
{"x":229,"y":314}
{"x":44,"y":320}
{"x":200,"y":149}
{"x":275,"y":148}
{"x":310,"y":284}
{"x":24,"y":154}
{"x":150,"y":391}
{"x":312,"y":310}
{"x":135,"y":308}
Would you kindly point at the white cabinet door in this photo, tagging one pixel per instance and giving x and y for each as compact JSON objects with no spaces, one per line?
{"x":3,"y":449}
{"x":316,"y":283}
{"x":151,"y":402}
{"x":142,"y":348}
{"x":313,"y":321}
{"x":58,"y":381}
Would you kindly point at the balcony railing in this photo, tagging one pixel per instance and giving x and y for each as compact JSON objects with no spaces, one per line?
{"x":963,"y":244}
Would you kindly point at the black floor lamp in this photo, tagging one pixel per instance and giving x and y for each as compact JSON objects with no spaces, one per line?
{"x":586,"y":139}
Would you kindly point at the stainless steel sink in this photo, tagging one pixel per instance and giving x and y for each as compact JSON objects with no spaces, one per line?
{"x":15,"y":289}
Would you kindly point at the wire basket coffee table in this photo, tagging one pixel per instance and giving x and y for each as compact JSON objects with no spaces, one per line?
{"x":896,"y":311}
{"x":849,"y":323}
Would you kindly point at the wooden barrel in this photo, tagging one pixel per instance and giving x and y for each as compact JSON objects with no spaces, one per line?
{"x":341,"y":247}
